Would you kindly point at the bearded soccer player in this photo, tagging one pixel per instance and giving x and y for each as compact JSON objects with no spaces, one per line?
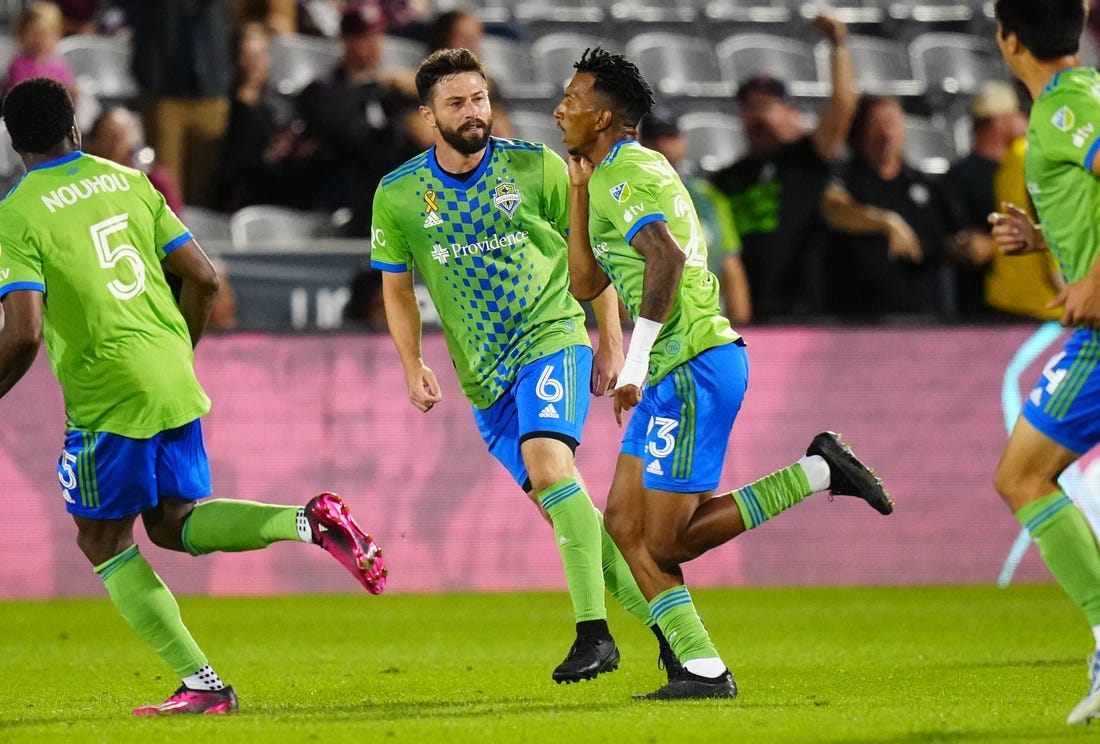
{"x":83,"y":241}
{"x":1059,"y":421}
{"x":481,"y":219}
{"x":632,"y":225}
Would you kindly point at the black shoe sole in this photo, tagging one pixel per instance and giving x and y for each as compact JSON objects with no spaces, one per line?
{"x":849,"y":476}
{"x":689,"y":689}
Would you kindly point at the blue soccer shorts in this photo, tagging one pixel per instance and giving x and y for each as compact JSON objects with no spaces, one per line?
{"x":681,"y":428}
{"x":549,"y":398}
{"x":1065,"y":403}
{"x":108,"y":476}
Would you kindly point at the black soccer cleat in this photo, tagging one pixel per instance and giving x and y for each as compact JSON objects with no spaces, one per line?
{"x":847,"y":475}
{"x":688,"y":686}
{"x":666,"y":658}
{"x":588,"y":658}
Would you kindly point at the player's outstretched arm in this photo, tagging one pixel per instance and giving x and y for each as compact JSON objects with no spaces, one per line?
{"x":403,"y":319}
{"x":200,"y":286}
{"x":20,"y":335}
{"x":586,"y":278}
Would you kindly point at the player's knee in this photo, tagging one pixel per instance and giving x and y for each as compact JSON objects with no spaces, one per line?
{"x":1018,"y":487}
{"x":622,"y":528}
{"x":167,"y":535}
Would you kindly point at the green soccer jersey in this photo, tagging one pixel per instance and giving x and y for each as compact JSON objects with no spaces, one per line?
{"x":630,"y":188}
{"x":491,"y":251}
{"x":1063,"y":136}
{"x":90,"y":235}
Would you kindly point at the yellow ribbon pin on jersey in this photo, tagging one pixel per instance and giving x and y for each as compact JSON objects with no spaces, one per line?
{"x":429,"y":201}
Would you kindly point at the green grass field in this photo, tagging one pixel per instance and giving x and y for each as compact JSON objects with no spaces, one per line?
{"x":970,"y":664}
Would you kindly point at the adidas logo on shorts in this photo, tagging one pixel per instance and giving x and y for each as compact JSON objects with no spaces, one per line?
{"x":654,"y":468}
{"x":549,"y":412}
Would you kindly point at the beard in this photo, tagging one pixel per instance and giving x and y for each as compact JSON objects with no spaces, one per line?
{"x":466,"y":143}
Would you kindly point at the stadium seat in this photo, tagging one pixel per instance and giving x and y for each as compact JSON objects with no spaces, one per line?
{"x":714,"y":140}
{"x":269,"y":227}
{"x":678,"y":65}
{"x":510,"y":65}
{"x":933,"y":11}
{"x":559,"y":11}
{"x":297,"y":60}
{"x":555,"y":53}
{"x":101,"y":65}
{"x":210,"y":227}
{"x":537,"y":126}
{"x":8,"y":49}
{"x":881,"y":66}
{"x":789,"y":59}
{"x":955,"y":63}
{"x":752,"y":11}
{"x":929,"y":144}
{"x":653,"y":11}
{"x":864,"y":15}
{"x":399,"y":53}
{"x":11,"y":165}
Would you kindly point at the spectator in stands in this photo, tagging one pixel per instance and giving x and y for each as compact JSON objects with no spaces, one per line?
{"x":37,"y":31}
{"x":660,"y":132}
{"x":79,"y":16}
{"x":775,"y":189}
{"x":463,"y":29}
{"x":116,"y":135}
{"x":968,"y":188}
{"x":1019,"y":284}
{"x":353,"y":116}
{"x":263,"y":153}
{"x":890,"y":223}
{"x":183,"y":65}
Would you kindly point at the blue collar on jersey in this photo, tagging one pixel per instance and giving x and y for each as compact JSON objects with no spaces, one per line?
{"x":58,"y":161}
{"x":615,"y":149}
{"x":450,"y":181}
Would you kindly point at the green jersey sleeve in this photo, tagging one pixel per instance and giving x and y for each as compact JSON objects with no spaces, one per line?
{"x":634,"y":187}
{"x":1062,"y":141}
{"x":389,"y":250}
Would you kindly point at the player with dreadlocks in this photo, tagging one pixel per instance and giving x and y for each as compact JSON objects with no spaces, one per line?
{"x":632,"y":224}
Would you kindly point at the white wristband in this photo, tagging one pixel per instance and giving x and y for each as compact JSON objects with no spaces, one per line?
{"x":637,"y":357}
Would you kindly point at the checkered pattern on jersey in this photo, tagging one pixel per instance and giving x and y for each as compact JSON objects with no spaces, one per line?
{"x":496,"y":285}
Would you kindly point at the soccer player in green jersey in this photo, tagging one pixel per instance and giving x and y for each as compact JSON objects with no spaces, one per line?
{"x":481,"y":219}
{"x":1060,"y":420}
{"x":632,"y":225}
{"x":82,"y":241}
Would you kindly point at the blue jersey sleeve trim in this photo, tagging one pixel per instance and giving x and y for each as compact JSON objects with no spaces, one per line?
{"x":174,"y":244}
{"x":35,"y":286}
{"x":1091,"y":154}
{"x":655,"y":217}
{"x":391,"y":267}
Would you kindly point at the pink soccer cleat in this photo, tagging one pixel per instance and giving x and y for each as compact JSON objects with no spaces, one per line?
{"x":336,"y":531}
{"x":184,"y":700}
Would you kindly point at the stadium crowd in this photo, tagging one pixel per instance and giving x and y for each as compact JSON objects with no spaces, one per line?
{"x":823,"y":217}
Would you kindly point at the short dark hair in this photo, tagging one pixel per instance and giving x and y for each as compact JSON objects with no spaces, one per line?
{"x":1048,"y":28}
{"x":39,"y":114}
{"x":444,"y":63}
{"x":619,"y":80}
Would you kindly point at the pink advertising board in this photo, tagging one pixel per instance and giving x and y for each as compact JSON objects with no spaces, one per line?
{"x":296,"y":415}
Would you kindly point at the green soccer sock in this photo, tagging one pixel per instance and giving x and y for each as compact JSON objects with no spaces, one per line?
{"x":577,"y":530}
{"x":620,"y":581}
{"x":763,"y":499}
{"x":232,"y":526}
{"x":147,"y":604}
{"x":676,"y":617}
{"x":1068,"y":547}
